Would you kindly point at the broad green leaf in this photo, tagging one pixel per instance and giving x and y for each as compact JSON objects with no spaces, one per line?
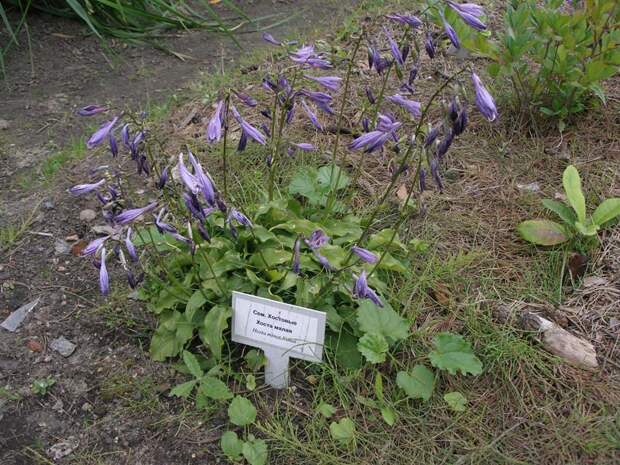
{"x":196,"y":301}
{"x":323,"y":178}
{"x":589,"y":229}
{"x":241,"y":412}
{"x":183,"y":390}
{"x":214,"y":326}
{"x":343,"y":431}
{"x":572,"y":187}
{"x":344,"y":346}
{"x":254,"y":359}
{"x":231,"y":445}
{"x":384,"y":321}
{"x":272,"y":256}
{"x":606,"y":211}
{"x":229,"y":262}
{"x":453,"y":353}
{"x":388,"y":262}
{"x":565,"y":213}
{"x":215,"y":388}
{"x":382,"y":239}
{"x":191,"y":362}
{"x":543,"y":232}
{"x":389,"y":415}
{"x":373,"y":347}
{"x":164,"y":344}
{"x":456,"y":401}
{"x":418,"y":384}
{"x":255,"y":452}
{"x":325,"y":409}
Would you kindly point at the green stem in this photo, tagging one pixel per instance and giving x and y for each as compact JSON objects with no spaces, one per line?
{"x":333,"y":190}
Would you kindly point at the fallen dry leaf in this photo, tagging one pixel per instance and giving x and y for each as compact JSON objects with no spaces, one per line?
{"x":34,"y":346}
{"x":577,"y":265}
{"x":78,"y":247}
{"x":441,"y":294}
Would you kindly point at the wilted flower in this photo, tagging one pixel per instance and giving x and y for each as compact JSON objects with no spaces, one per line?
{"x":290,"y":113}
{"x":429,"y":46}
{"x":131,"y":215}
{"x":104,"y":278}
{"x":238,"y":217}
{"x":216,"y":124}
{"x":365,"y":255}
{"x":302,"y":54}
{"x":469,"y":12}
{"x":411,"y":20}
{"x":324,"y":262}
{"x":317,"y":239}
{"x":412,"y":75}
{"x":268,"y":84}
{"x":163,"y":178}
{"x":265,"y":129}
{"x":203,"y":232}
{"x":329,"y":82}
{"x":362,"y":291}
{"x":451,"y":33}
{"x":453,"y":110}
{"x":373,"y":140}
{"x":188,"y":179}
{"x":422,"y":179}
{"x":370,"y":96}
{"x":271,"y":39}
{"x":305,"y":147}
{"x":135,"y":144}
{"x":131,"y":249}
{"x":396,"y":53}
{"x":317,"y":97}
{"x":91,"y":110}
{"x":81,"y":189}
{"x":431,"y":136}
{"x":113,"y":145}
{"x":246,"y":99}
{"x":243,"y":142}
{"x":101,"y":134}
{"x":204,"y":181}
{"x":484,"y":100}
{"x":411,"y":106}
{"x":444,"y":144}
{"x":164,"y":227}
{"x":193,"y":205}
{"x":125,"y":135}
{"x":460,"y":123}
{"x":296,"y":267}
{"x":94,"y":245}
{"x":311,"y":115}
{"x":132,"y":280}
{"x":250,"y":130}
{"x":435,"y":173}
{"x":366,"y":124}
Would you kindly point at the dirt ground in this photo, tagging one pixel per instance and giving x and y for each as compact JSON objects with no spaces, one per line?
{"x":102,"y":407}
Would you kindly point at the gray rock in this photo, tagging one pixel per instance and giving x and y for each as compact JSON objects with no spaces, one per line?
{"x":63,"y":346}
{"x":49,"y":205}
{"x":4,"y":124}
{"x":63,"y":448}
{"x":531,"y":187}
{"x":88,"y":215}
{"x":15,"y":319}
{"x":62,"y":247}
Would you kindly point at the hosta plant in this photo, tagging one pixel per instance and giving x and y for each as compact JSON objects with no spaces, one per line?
{"x":575,"y":221}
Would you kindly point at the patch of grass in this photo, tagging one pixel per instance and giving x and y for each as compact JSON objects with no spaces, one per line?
{"x":11,"y":234}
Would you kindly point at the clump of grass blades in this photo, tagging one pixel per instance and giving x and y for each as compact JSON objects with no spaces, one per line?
{"x":135,"y":20}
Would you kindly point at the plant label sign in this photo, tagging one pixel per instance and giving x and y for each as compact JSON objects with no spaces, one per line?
{"x":281,"y":330}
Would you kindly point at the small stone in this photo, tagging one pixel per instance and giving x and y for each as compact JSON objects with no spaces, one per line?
{"x":63,"y":346}
{"x":34,"y":346}
{"x":48,"y":205}
{"x":63,"y":448}
{"x":86,"y":407}
{"x":62,"y":247}
{"x":15,"y":319}
{"x":61,"y":268}
{"x":533,"y":187}
{"x":88,"y":215}
{"x":4,"y":124}
{"x":72,"y":238}
{"x":103,"y":229}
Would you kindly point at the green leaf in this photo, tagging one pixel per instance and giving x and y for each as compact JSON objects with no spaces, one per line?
{"x":254,"y":359}
{"x":589,"y":229}
{"x":255,"y":452}
{"x":572,"y":187}
{"x":379,"y":386}
{"x":196,"y":301}
{"x":390,"y":263}
{"x":373,"y":347}
{"x":215,"y":388}
{"x":418,"y":384}
{"x":543,"y":232}
{"x":606,"y":211}
{"x":214,"y":326}
{"x":343,"y":431}
{"x":453,"y":353}
{"x":384,"y":321}
{"x":229,"y":262}
{"x":325,"y":409}
{"x":191,"y":362}
{"x":566,"y":214}
{"x":272,"y":256}
{"x":323,"y":178}
{"x":241,"y":412}
{"x":250,"y":382}
{"x":389,"y":415}
{"x":456,"y":401}
{"x":344,"y":346}
{"x":231,"y":445}
{"x":183,"y":390}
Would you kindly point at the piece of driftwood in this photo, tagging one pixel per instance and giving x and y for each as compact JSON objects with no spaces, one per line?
{"x":554,"y":338}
